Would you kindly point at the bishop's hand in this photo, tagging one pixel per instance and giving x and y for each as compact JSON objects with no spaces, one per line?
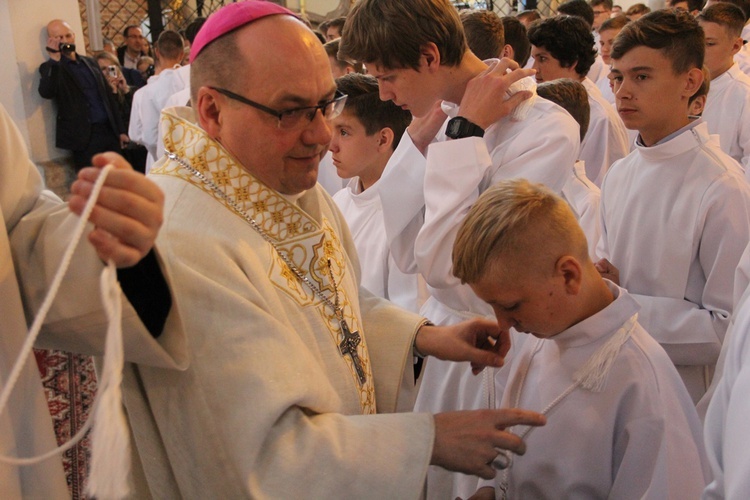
{"x":480,"y":341}
{"x":469,"y":441}
{"x":128,"y":214}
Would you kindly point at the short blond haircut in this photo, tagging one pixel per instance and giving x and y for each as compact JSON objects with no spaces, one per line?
{"x":527,"y":224}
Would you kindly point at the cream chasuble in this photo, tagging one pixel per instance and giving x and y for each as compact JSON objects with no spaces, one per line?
{"x":312,"y":247}
{"x":269,"y":407}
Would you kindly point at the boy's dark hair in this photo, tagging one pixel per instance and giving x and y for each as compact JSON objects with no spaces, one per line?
{"x":192,"y":29}
{"x":675,"y":33}
{"x":578,"y":8}
{"x":571,"y":96}
{"x":742,"y":4}
{"x":568,"y":39}
{"x":338,"y":23}
{"x":516,"y":37}
{"x":484,"y":33}
{"x":637,"y":8}
{"x":693,"y":5}
{"x":170,"y":45}
{"x":332,"y":49}
{"x":607,"y":4}
{"x":729,"y":16}
{"x":392,"y":32}
{"x":530,"y":14}
{"x":365,"y":104}
{"x":614,"y":23}
{"x":323,"y":27}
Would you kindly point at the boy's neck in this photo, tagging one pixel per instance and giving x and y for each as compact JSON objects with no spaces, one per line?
{"x":372,"y":174}
{"x":457,"y":77}
{"x":723,"y":69}
{"x":596,"y":298}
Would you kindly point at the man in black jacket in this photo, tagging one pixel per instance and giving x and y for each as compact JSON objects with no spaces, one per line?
{"x":86,"y":121}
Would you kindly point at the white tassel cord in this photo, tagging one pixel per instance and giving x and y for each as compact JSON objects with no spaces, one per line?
{"x":592,"y":375}
{"x":110,"y":440}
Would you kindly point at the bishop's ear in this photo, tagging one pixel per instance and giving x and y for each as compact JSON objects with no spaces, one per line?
{"x":208,"y":106}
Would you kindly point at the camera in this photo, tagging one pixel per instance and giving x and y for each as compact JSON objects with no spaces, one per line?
{"x":67,"y":47}
{"x":112,"y":71}
{"x":150,"y":71}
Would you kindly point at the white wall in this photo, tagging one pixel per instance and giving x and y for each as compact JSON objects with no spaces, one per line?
{"x":23,"y":38}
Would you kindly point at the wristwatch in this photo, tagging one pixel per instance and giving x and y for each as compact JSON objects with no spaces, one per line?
{"x":459,"y":127}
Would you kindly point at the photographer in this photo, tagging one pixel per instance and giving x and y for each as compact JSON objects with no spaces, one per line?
{"x":87,"y":117}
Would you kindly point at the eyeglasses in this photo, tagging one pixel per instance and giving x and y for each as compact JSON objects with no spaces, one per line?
{"x":292,"y":118}
{"x":597,"y":12}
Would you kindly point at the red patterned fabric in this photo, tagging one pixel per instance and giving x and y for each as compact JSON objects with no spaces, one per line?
{"x":70,"y":385}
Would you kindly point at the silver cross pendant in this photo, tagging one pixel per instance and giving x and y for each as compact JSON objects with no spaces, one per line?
{"x":348,"y":346}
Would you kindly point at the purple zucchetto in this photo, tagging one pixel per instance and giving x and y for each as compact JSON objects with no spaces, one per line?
{"x":231,"y":17}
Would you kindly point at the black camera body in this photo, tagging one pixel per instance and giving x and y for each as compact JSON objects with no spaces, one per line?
{"x":67,"y":47}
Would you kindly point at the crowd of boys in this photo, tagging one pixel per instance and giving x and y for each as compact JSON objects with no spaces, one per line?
{"x":583,"y":201}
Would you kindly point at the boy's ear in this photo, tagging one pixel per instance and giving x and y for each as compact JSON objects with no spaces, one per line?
{"x":385,"y":140}
{"x":508,"y":52}
{"x":693,"y":81}
{"x":571,"y":271}
{"x":737,"y":45}
{"x":429,"y":56}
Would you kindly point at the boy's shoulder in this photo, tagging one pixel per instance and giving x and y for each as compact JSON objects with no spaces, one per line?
{"x":543,"y":119}
{"x":692,"y":155}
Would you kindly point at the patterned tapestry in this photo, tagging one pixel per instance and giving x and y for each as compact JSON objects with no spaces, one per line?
{"x":70,"y":385}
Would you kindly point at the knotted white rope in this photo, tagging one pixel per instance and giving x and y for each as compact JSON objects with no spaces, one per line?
{"x":110,"y":440}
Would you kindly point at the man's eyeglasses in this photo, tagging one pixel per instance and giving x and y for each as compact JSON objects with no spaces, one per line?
{"x":597,"y":12}
{"x":292,"y":118}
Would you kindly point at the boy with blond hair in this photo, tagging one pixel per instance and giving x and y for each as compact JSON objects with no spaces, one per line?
{"x":619,"y":419}
{"x":727,"y":109}
{"x":674,"y":212}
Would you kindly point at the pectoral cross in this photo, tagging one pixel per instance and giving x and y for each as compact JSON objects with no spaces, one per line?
{"x":349,"y":346}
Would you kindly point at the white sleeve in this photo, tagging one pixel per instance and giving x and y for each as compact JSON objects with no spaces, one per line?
{"x":454,"y":172}
{"x":402,"y":198}
{"x":135,"y":129}
{"x":458,"y":171}
{"x":692,"y":331}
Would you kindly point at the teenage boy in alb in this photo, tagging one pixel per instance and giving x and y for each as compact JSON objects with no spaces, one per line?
{"x":675,"y":217}
{"x":418,"y":52}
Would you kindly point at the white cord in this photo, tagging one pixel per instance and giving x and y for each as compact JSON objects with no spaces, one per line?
{"x":109,"y":387}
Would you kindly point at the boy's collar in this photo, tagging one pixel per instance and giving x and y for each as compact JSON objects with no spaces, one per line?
{"x":693,"y":123}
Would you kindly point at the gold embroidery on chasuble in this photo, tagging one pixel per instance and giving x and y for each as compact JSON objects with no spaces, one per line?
{"x":308,"y":244}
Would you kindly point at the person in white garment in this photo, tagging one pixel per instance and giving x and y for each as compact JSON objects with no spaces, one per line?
{"x":148,"y":101}
{"x":581,"y":194}
{"x":365,"y":137}
{"x":563,"y":47}
{"x":296,"y":372}
{"x":487,"y":137}
{"x":582,"y":10}
{"x":620,"y":421}
{"x":725,"y":422}
{"x":607,"y":33}
{"x":727,"y":111}
{"x":37,"y":227}
{"x":675,"y":212}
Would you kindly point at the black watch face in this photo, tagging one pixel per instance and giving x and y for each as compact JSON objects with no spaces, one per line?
{"x":454,"y":127}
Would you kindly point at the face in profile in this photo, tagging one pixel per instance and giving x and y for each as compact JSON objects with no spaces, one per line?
{"x":283,"y":155}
